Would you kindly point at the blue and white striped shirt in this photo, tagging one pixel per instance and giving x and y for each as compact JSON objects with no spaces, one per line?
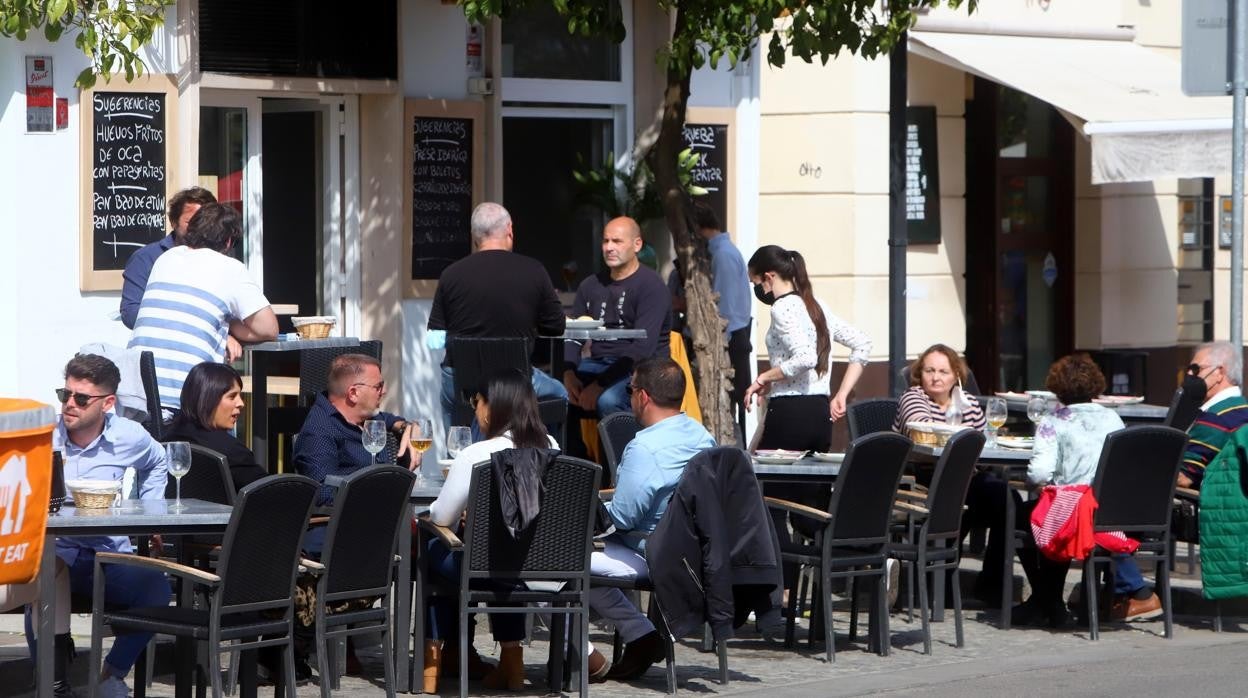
{"x":184,"y":319}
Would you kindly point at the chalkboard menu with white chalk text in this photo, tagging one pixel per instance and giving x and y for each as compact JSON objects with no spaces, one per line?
{"x":443,"y":181}
{"x":711,"y":173}
{"x":922,"y":177}
{"x":128,"y":174}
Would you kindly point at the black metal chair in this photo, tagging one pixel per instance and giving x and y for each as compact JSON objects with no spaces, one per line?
{"x":1134,"y":490}
{"x":251,"y":595}
{"x":314,"y":366}
{"x":871,"y":416}
{"x":853,"y":540}
{"x":933,"y":549}
{"x":555,"y":547}
{"x":358,"y":556}
{"x":477,"y":359}
{"x":208,"y":479}
{"x":615,"y":431}
{"x":155,"y":423}
{"x":1182,"y":412}
{"x":554,"y":414}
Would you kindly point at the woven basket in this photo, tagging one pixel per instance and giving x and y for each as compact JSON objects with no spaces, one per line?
{"x":928,"y":438}
{"x":314,"y":327}
{"x":85,"y":499}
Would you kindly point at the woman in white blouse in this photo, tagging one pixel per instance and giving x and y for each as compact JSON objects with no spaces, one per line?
{"x":508,"y":414}
{"x":799,"y":344}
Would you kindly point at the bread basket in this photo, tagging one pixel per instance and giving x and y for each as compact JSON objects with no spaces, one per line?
{"x":314,"y":326}
{"x":932,"y":433}
{"x":94,"y":494}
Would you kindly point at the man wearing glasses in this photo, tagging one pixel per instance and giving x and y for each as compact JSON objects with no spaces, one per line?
{"x":1220,"y":366}
{"x":99,"y":445}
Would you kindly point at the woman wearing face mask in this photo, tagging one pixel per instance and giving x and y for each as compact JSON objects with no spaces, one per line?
{"x":799,"y":344}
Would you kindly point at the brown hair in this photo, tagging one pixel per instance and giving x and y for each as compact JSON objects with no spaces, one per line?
{"x":190,"y":195}
{"x":345,"y":369}
{"x":96,"y":369}
{"x":662,"y":379}
{"x":1075,"y":379}
{"x":791,"y":266}
{"x":956,"y":362}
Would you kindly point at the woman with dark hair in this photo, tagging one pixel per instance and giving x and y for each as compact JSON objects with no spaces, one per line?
{"x":1067,"y":452}
{"x":508,"y":415}
{"x":799,"y":344}
{"x":212,"y":398}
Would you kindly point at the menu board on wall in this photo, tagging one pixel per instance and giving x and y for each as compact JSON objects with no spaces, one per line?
{"x":442,"y":183}
{"x":922,"y":177}
{"x":127,"y":170}
{"x":711,"y":173}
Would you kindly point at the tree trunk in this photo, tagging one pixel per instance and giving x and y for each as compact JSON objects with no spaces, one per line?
{"x":715,"y":372}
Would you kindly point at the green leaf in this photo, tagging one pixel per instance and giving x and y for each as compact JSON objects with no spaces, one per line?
{"x":86,"y":79}
{"x":52,"y":31}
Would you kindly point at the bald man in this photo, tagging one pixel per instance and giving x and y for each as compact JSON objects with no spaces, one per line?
{"x":624,"y":295}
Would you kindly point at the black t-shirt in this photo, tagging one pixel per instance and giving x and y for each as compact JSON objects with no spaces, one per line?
{"x":639,"y":301}
{"x":495,"y":293}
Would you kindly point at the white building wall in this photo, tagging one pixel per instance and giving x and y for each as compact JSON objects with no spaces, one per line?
{"x":44,"y":315}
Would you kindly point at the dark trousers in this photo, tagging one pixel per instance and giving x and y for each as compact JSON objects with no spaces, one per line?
{"x":985,"y":508}
{"x":739,"y":349}
{"x":444,"y":565}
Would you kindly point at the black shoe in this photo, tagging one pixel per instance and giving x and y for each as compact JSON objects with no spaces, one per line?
{"x":62,"y":689}
{"x":1028,"y":613}
{"x":269,"y":667}
{"x":638,"y":657}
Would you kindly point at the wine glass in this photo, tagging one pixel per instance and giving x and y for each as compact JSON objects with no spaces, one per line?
{"x":996,"y":414}
{"x":1037,"y":406}
{"x":457,"y":439}
{"x":421,"y":440}
{"x":178,"y":460}
{"x":374,"y":437}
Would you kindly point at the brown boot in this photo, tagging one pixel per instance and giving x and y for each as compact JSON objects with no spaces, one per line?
{"x":509,"y":674}
{"x":433,"y":661}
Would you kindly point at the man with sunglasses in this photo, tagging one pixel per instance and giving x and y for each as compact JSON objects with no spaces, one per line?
{"x":99,"y":445}
{"x":1218,"y":366}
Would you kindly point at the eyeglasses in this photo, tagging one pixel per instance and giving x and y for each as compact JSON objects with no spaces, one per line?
{"x":632,"y":389}
{"x":80,"y":399}
{"x":1195,"y":369}
{"x":378,"y":387}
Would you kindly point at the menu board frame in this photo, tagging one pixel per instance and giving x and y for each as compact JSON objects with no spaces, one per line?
{"x":424,"y":108}
{"x":923,"y":172}
{"x":91,"y":279}
{"x":723,"y":116}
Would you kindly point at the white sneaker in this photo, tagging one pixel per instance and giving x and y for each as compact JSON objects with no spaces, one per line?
{"x":113,"y":687}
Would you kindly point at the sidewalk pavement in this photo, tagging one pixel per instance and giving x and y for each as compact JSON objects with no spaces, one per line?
{"x":758,"y":666}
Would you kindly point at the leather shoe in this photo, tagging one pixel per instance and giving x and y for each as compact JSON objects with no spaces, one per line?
{"x":638,"y":656}
{"x":1129,"y":608}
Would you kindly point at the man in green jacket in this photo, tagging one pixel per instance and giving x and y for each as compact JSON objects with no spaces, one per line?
{"x":1224,"y":411}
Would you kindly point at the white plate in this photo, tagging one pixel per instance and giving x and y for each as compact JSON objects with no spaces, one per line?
{"x":583,"y":324}
{"x":445,"y":462}
{"x":1018,"y":442}
{"x":1118,"y":400}
{"x":1046,"y":394}
{"x":828,"y":457}
{"x":778,"y":456}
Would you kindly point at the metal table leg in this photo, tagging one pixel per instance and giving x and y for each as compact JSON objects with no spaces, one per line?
{"x":47,"y":619}
{"x":260,"y":410}
{"x":403,"y":606}
{"x":1007,"y":577}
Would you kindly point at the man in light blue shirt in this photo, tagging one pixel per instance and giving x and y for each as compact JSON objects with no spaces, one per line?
{"x":649,"y":471}
{"x":99,"y":445}
{"x":731,"y":280}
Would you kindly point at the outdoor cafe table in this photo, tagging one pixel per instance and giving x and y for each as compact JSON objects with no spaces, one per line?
{"x":133,"y":517}
{"x":406,"y":672}
{"x":601,"y":334}
{"x":803,"y":470}
{"x":1008,"y":462}
{"x":1132,"y":414}
{"x":260,"y":355}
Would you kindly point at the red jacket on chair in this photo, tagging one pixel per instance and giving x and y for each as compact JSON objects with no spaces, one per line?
{"x":1061,"y":523}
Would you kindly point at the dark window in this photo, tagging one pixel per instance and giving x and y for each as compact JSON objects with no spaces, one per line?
{"x":295,"y":38}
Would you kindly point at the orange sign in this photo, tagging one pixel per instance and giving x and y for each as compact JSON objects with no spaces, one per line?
{"x":25,"y":480}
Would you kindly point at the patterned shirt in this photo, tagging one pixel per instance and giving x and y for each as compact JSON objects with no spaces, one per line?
{"x":328,"y":444}
{"x":191,"y":297}
{"x":1069,"y":442}
{"x":123,"y":444}
{"x":916,"y":406}
{"x":792,"y":345}
{"x":1219,"y":418}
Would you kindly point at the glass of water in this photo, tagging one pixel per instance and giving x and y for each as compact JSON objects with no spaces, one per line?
{"x":457,"y":439}
{"x":178,"y":460}
{"x":1037,"y":406}
{"x":374,"y":437}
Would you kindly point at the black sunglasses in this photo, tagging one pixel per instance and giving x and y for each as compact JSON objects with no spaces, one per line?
{"x":80,"y":399}
{"x":1195,"y":369}
{"x":630,"y":389}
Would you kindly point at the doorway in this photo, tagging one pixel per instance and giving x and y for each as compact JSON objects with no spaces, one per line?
{"x":1020,"y":238}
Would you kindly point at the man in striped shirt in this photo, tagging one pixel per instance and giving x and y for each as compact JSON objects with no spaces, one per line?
{"x":1220,"y":365}
{"x":196,"y":297}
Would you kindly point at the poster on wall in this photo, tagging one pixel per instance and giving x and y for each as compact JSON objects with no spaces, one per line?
{"x":444,"y":180}
{"x":922,"y":177}
{"x":40,"y":102}
{"x":709,"y":132}
{"x":127,"y":170}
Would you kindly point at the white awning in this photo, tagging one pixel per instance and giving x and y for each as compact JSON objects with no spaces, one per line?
{"x":1124,"y":97}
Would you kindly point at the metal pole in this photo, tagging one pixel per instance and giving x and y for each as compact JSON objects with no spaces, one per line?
{"x":1240,"y":42}
{"x":897,"y":225}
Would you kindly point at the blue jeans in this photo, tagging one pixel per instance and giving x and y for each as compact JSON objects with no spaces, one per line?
{"x":545,"y":387}
{"x":1127,"y":577}
{"x":124,"y":586}
{"x":614,"y":397}
{"x":444,"y":566}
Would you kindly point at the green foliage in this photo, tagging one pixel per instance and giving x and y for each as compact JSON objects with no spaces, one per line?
{"x":631,"y":190}
{"x":109,"y":32}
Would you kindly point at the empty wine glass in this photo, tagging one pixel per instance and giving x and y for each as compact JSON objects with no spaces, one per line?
{"x":374,"y":437}
{"x":178,"y":460}
{"x":996,"y":414}
{"x":457,"y":439}
{"x":1037,"y":406}
{"x":420,"y":440}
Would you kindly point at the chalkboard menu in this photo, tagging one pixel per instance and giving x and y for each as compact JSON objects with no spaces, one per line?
{"x":442,"y":193}
{"x":128,"y":174}
{"x":711,"y":142}
{"x":922,"y":177}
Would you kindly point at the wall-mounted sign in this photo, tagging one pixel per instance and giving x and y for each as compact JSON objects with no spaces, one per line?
{"x":711,"y":173}
{"x":62,"y":113}
{"x":1225,"y":212}
{"x":922,"y":177}
{"x":1189,"y":222}
{"x":40,"y":106}
{"x":1049,"y":271}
